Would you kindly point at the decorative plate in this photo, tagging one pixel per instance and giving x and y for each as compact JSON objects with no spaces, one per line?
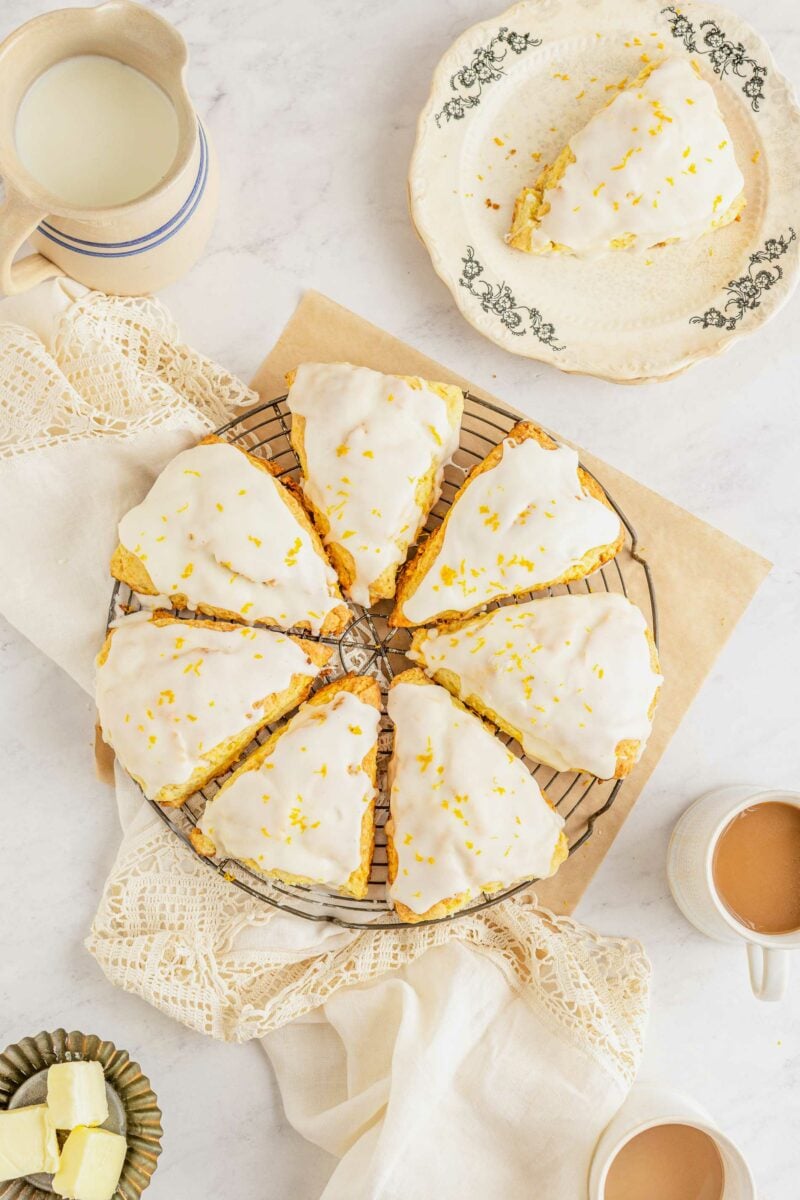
{"x":508,"y":96}
{"x":132,"y":1105}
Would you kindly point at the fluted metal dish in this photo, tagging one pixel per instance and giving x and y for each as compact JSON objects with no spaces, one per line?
{"x":133,"y":1106}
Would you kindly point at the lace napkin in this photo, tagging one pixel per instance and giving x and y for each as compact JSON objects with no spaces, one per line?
{"x":480,"y":1057}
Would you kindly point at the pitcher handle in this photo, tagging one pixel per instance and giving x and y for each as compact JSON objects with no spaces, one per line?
{"x":769,"y":971}
{"x":18,"y":219}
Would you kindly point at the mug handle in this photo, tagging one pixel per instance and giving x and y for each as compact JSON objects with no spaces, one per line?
{"x":769,"y":971}
{"x":18,"y":219}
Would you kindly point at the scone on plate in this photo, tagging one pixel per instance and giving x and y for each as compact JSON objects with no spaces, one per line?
{"x":301,"y":808}
{"x":656,"y":165}
{"x":575,"y":679}
{"x":372,"y":448}
{"x":179,"y":700}
{"x":526,"y":518}
{"x":220,"y":534}
{"x":467,"y":816}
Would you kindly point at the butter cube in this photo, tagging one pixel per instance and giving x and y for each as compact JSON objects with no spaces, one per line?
{"x":76,"y":1094}
{"x":91,"y":1164}
{"x":28,"y":1142}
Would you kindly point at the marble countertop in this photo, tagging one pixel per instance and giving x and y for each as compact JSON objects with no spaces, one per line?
{"x":313,"y":107}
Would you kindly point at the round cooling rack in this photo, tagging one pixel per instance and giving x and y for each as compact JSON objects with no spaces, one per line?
{"x":369,"y":646}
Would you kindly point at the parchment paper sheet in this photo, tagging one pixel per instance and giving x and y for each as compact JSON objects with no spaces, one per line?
{"x":704,"y":580}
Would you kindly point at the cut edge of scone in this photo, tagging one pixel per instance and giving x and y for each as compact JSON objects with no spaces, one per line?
{"x":417,"y":567}
{"x":531,"y":204}
{"x":449,"y":904}
{"x":367,"y":690}
{"x":221,"y":757}
{"x":426,"y":493}
{"x":128,"y":568}
{"x":628,"y":751}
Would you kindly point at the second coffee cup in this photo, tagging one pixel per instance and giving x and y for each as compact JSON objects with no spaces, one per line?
{"x":734,"y":871}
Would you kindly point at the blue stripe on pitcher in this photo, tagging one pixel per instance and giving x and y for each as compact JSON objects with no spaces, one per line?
{"x":141,"y":244}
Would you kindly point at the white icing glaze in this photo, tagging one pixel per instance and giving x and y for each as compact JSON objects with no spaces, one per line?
{"x":571,"y":673}
{"x":216,"y":528}
{"x":369,"y":440}
{"x":466,"y":812}
{"x":658,"y":162}
{"x":300,"y":812}
{"x":514,"y":528}
{"x":168,"y":694}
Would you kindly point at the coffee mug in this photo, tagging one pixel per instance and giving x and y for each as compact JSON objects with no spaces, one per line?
{"x":127,"y":249}
{"x":652,"y":1104}
{"x":690,"y":863}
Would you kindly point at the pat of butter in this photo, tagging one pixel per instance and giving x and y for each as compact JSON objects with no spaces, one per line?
{"x":91,"y":1164}
{"x":28,"y":1142}
{"x":76,"y":1094}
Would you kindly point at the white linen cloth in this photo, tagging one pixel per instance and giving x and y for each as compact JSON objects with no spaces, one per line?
{"x":475,"y":1058}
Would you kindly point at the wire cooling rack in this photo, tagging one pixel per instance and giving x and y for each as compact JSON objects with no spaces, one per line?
{"x":370,"y":646}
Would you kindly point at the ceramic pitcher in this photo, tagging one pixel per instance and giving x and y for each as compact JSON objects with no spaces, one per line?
{"x":130,"y":248}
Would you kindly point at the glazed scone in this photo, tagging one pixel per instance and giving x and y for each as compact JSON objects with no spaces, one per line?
{"x":372,"y":448}
{"x":179,"y":700}
{"x":467,"y":816}
{"x":220,"y":534}
{"x":656,"y":165}
{"x":575,"y":679}
{"x":526,"y":518}
{"x":301,"y":808}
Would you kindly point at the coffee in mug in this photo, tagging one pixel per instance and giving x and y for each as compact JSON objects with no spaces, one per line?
{"x":661,"y":1145}
{"x":756,"y":867}
{"x":667,"y":1162}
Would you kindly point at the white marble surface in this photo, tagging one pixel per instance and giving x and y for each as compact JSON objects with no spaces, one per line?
{"x":312,"y":106}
